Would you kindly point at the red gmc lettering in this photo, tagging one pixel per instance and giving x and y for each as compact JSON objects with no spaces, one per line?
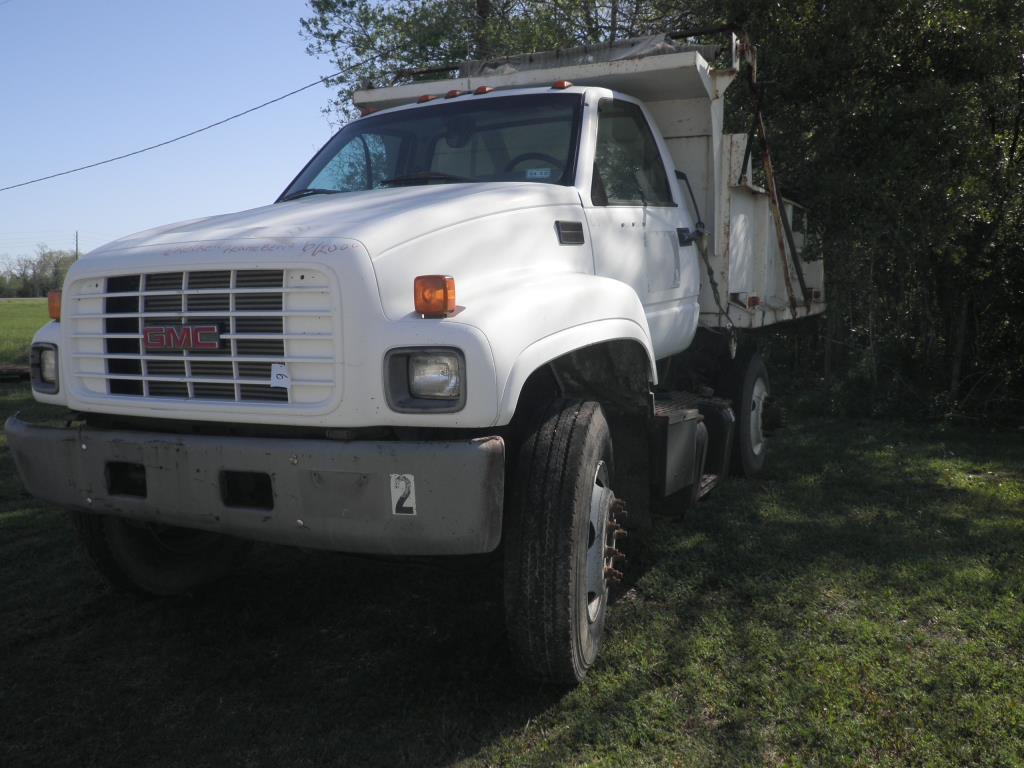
{"x":201,"y":337}
{"x":154,"y":338}
{"x":179,"y":338}
{"x":205,"y":337}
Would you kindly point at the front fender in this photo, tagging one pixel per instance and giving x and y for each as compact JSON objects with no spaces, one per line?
{"x":530,"y":321}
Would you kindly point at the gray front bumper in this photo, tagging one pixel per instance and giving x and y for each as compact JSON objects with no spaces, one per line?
{"x":325,"y":494}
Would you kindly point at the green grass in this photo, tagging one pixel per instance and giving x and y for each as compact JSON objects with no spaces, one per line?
{"x":859,"y":605}
{"x":19,"y":320}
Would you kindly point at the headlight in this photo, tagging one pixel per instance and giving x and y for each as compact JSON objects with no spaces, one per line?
{"x":43,"y":368}
{"x":48,"y":365}
{"x":437,"y":377}
{"x":425,"y":380}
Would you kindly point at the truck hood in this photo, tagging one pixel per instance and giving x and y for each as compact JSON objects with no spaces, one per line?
{"x":381,"y":218}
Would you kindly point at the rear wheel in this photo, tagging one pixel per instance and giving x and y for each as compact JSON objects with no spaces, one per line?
{"x":560,"y":537}
{"x":748,"y":388}
{"x":155,"y":559}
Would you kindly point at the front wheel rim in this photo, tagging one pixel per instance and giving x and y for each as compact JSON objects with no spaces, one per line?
{"x":599,"y":542}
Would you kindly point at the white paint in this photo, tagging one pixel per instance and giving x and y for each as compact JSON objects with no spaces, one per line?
{"x":279,"y":376}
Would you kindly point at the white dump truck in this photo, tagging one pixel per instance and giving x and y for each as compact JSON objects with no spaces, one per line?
{"x":485,"y":314}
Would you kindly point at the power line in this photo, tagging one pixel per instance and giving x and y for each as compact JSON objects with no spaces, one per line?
{"x":182,"y":136}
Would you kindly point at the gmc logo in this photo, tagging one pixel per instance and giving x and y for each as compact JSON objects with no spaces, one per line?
{"x":202,"y":337}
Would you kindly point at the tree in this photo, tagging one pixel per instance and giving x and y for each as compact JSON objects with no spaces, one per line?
{"x":901,"y":126}
{"x":378,"y":42}
{"x":35,"y":275}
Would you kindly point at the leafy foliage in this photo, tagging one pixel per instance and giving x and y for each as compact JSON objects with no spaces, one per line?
{"x":35,"y":275}
{"x":900,"y":124}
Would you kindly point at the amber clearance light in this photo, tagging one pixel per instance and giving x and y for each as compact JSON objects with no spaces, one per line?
{"x":53,"y":304}
{"x":434,"y":295}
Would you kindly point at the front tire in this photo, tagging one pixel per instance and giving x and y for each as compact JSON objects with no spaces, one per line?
{"x":560,"y":543}
{"x":153,"y":559}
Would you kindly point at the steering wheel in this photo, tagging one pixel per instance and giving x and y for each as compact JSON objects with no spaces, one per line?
{"x":559,"y":165}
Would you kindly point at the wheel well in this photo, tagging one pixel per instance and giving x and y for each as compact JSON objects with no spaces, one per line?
{"x":617,"y":374}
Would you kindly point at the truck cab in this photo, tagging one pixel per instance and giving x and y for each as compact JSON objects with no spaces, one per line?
{"x":482,"y":318}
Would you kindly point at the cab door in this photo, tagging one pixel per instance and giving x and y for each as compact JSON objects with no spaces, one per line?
{"x":634,"y":217}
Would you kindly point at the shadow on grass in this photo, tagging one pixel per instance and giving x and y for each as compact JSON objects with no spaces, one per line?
{"x":299,"y":658}
{"x":307,"y":658}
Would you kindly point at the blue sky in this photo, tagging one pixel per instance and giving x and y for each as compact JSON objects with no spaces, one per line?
{"x":83,"y":81}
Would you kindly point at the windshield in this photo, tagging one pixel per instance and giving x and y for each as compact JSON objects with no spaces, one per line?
{"x":511,"y":138}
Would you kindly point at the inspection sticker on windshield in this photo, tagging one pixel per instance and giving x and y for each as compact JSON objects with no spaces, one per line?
{"x":538,"y":173}
{"x":279,"y":376}
{"x":403,"y":495}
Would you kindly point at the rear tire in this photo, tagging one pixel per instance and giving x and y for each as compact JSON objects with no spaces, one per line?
{"x":558,"y":529}
{"x":748,"y":387}
{"x":152,"y":559}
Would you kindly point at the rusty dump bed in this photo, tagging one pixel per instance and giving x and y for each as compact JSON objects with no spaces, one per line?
{"x":755,"y":243}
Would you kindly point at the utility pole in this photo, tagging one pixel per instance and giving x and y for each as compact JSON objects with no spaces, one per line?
{"x":76,"y":245}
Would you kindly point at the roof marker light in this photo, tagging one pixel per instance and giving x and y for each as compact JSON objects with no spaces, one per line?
{"x":425,"y":98}
{"x":561,"y":85}
{"x":482,"y":90}
{"x":364,"y":111}
{"x":453,"y":93}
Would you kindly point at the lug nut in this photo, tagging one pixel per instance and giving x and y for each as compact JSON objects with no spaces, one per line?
{"x":621,"y":533}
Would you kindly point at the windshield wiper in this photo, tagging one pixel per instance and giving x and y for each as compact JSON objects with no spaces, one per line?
{"x":426,"y":176}
{"x":306,"y":192}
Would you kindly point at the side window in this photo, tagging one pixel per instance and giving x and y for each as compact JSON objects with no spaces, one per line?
{"x":363,"y":163}
{"x":627,"y":166}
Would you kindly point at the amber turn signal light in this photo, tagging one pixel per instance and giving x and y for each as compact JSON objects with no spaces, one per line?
{"x":561,"y":85}
{"x":53,"y":304}
{"x":434,"y":295}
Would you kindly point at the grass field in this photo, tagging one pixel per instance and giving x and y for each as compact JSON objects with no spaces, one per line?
{"x":859,"y":605}
{"x":19,"y":320}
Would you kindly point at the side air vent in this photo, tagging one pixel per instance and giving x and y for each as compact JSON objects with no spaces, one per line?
{"x":570,"y":232}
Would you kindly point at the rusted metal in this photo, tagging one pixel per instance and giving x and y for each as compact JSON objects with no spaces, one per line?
{"x":615,"y":554}
{"x":783,"y":231}
{"x":796,"y":257}
{"x":613,"y":575}
{"x":773,"y":202}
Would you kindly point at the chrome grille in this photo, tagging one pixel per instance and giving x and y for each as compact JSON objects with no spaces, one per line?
{"x":263,"y":316}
